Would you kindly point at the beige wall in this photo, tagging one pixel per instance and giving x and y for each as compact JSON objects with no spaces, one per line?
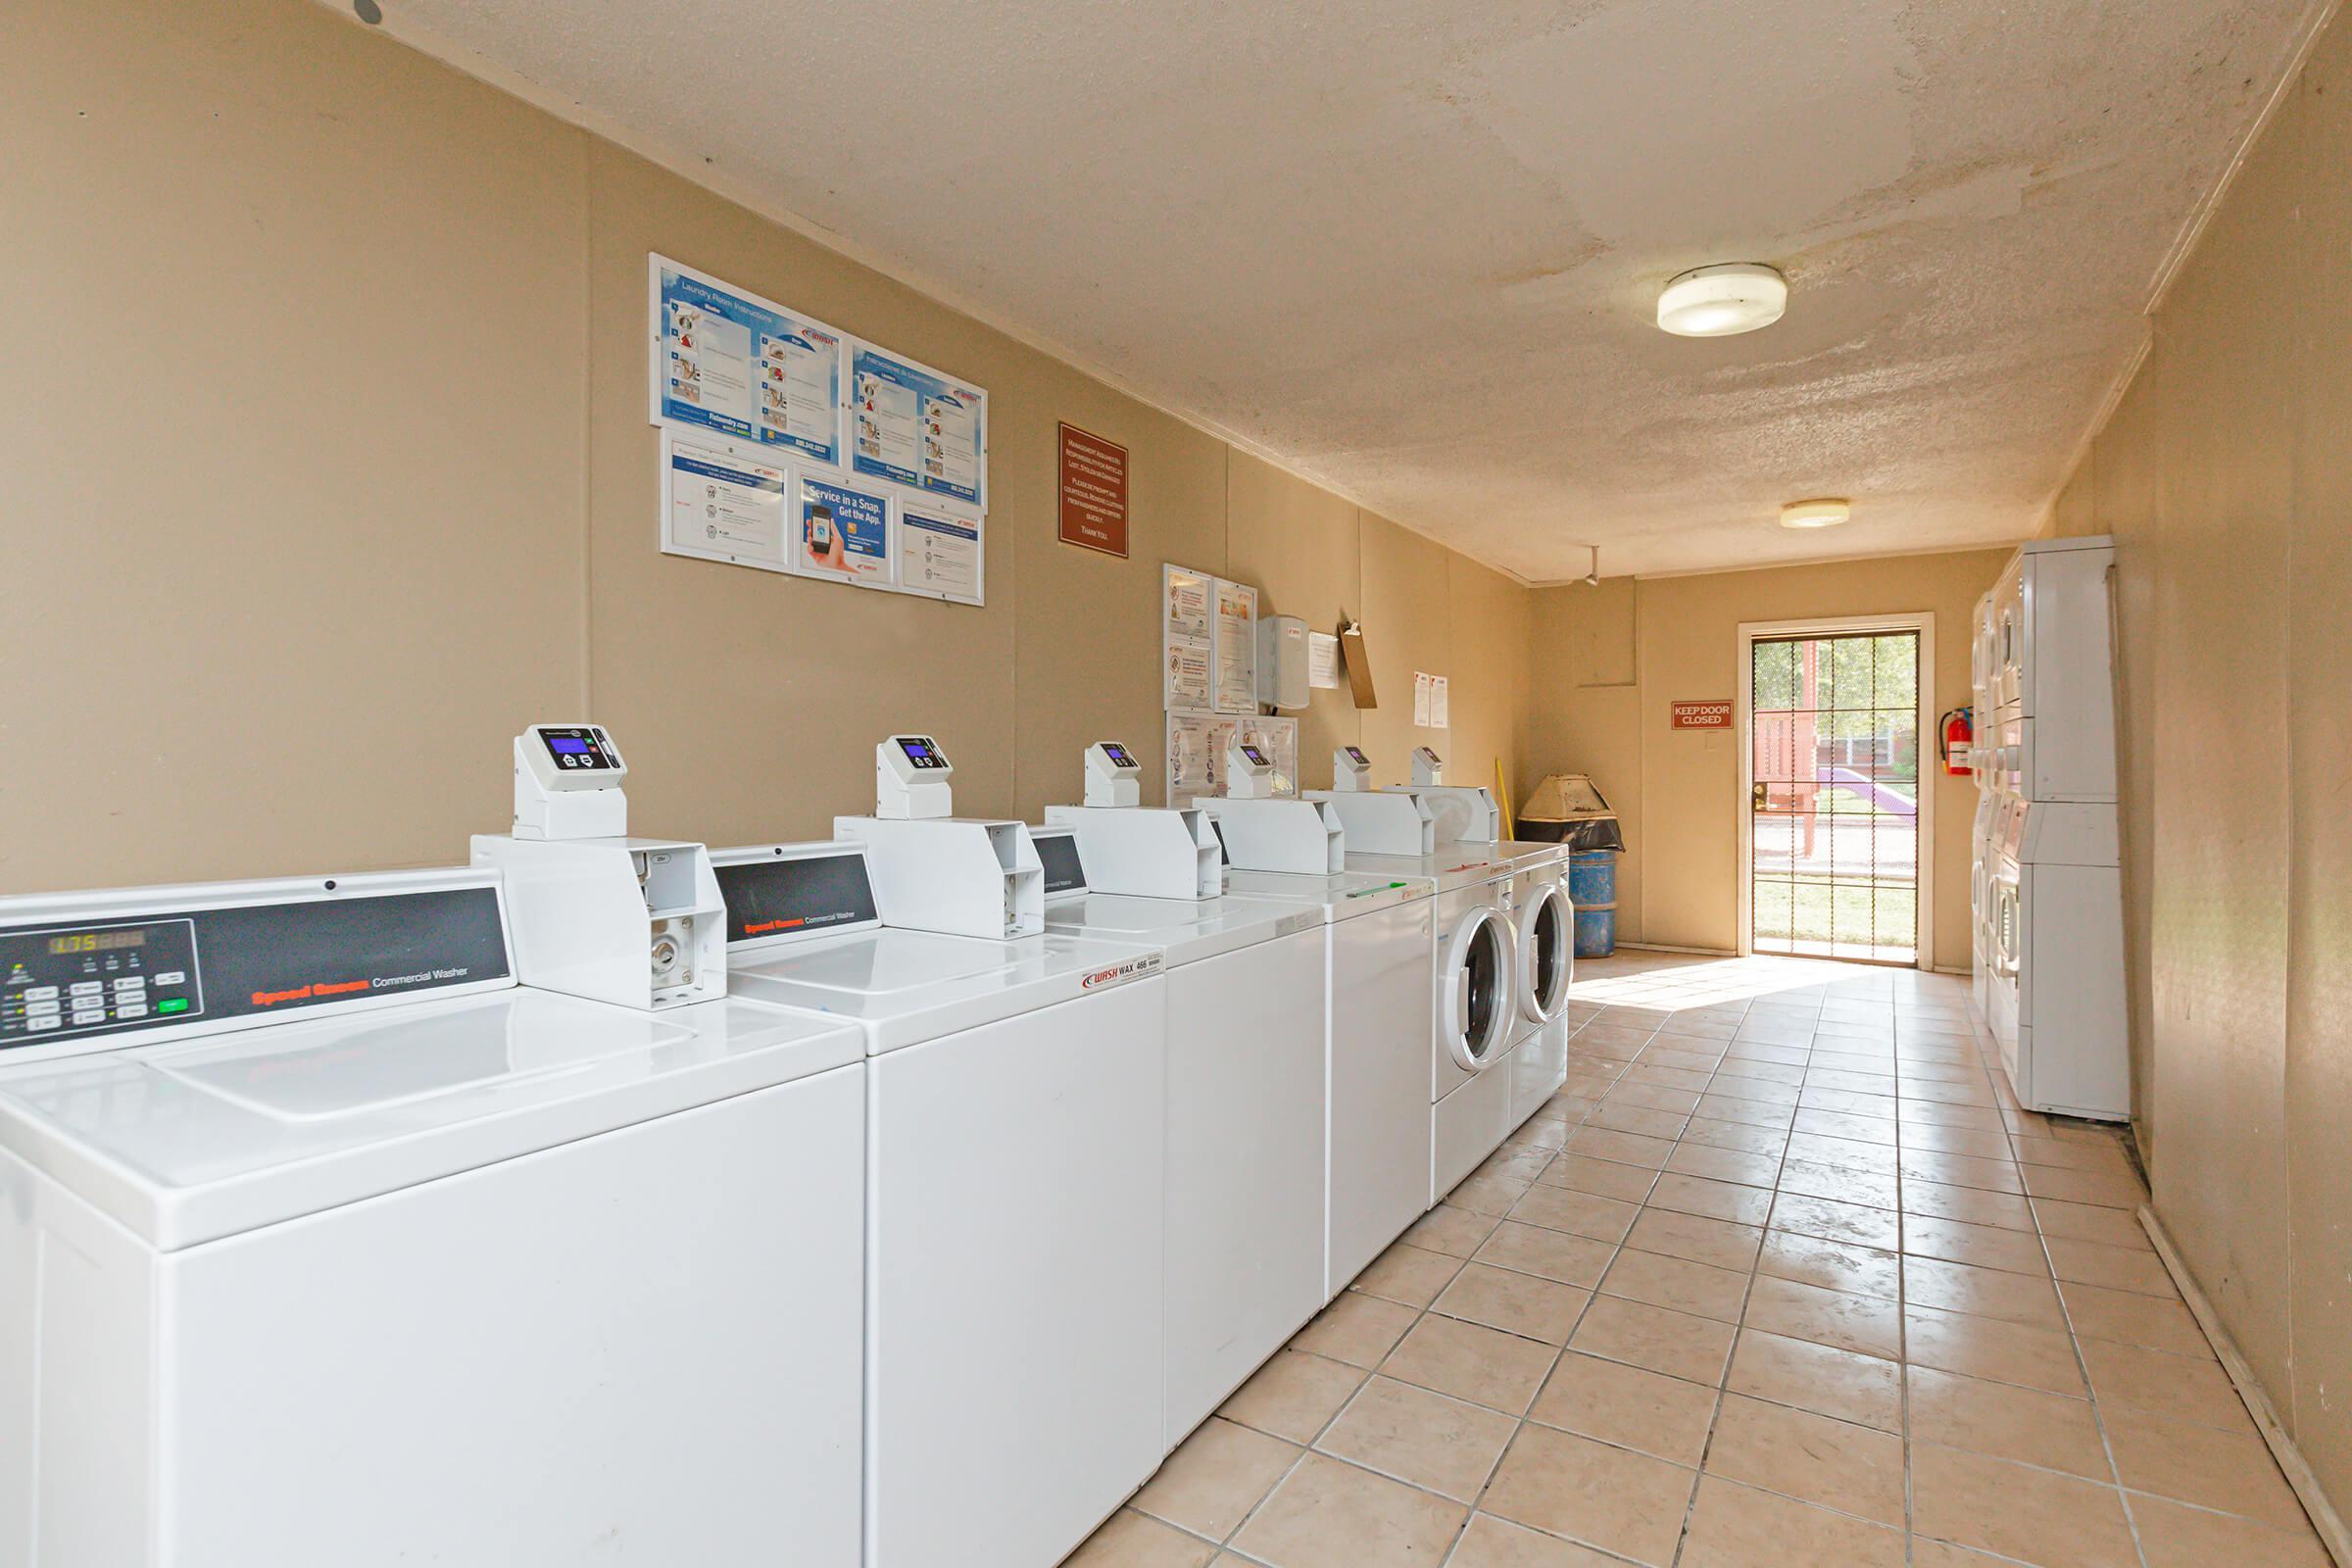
{"x":2226,"y":479}
{"x":287,"y":615}
{"x":1607,"y":662}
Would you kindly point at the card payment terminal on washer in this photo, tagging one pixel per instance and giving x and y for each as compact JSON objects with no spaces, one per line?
{"x":595,"y":912}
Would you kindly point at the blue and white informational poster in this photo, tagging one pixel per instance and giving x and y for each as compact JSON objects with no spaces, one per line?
{"x":732,"y":363}
{"x":723,"y":501}
{"x":842,"y":532}
{"x":916,"y":427}
{"x":942,"y":553}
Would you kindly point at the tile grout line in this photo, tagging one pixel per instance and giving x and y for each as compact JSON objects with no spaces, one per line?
{"x":1617,"y":1075}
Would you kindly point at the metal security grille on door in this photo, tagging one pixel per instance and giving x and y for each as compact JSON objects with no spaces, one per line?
{"x":1835,"y":739}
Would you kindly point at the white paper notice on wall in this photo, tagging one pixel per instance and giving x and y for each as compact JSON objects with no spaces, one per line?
{"x":1187,"y":656}
{"x":1322,"y":661}
{"x":1198,"y":743}
{"x":1436,"y":702}
{"x":1237,"y":648}
{"x":1187,"y":689}
{"x":723,"y":501}
{"x":1420,"y":698}
{"x":1191,"y":761}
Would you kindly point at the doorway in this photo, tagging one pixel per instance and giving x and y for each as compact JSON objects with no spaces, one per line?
{"x":1835,"y":812}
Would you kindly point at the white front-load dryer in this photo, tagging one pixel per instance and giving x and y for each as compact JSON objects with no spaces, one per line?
{"x":1544,"y":932}
{"x":1473,"y":1001}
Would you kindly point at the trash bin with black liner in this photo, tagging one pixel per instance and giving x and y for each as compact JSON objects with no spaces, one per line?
{"x":1566,"y":808}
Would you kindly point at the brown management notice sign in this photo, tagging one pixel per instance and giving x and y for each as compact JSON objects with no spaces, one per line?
{"x":1094,"y":492}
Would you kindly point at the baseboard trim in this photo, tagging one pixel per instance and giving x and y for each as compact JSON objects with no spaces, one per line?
{"x":1697,"y":952}
{"x":2323,"y":1517}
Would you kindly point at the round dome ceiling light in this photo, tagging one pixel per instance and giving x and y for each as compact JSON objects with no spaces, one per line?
{"x":1721,"y":300}
{"x":1826,"y":513}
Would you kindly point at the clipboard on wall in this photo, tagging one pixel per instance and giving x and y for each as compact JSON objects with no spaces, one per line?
{"x":1359,"y":662}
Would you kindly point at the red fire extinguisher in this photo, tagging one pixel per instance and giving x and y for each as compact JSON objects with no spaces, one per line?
{"x":1953,"y":744}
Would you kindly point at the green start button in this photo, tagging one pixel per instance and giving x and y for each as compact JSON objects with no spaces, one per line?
{"x":175,"y":1004}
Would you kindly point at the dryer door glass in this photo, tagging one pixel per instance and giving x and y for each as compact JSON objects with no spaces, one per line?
{"x":1479,"y":985}
{"x":1543,"y":954}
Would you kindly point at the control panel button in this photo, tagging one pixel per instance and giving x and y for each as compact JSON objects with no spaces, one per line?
{"x":41,"y":1008}
{"x":87,"y":987}
{"x":49,"y":1022}
{"x":39,"y":993}
{"x":172,"y":1005}
{"x":131,"y":982}
{"x":94,"y":1015}
{"x":131,"y":1010}
{"x":172,"y":977}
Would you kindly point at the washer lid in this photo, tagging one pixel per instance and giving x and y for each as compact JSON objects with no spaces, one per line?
{"x":187,"y":1142}
{"x":1524,"y":854}
{"x":1187,"y":930}
{"x":1455,"y":865}
{"x":906,"y":987}
{"x":1341,"y":896}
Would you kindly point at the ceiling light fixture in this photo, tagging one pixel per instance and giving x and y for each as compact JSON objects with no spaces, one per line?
{"x":1720,"y":301}
{"x":1828,"y":511}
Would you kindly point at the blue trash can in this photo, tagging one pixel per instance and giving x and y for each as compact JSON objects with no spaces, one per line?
{"x":1592,"y":890}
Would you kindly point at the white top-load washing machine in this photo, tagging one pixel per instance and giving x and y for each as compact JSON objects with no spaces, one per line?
{"x":1244,"y":1201}
{"x":322,"y":1241}
{"x":1376,"y":974}
{"x":1015,"y":1103}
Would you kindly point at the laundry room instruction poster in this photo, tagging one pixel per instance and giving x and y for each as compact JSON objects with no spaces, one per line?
{"x":767,"y":457}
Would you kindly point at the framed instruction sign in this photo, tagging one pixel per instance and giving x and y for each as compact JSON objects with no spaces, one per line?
{"x":727,"y":361}
{"x":723,"y":501}
{"x":941,"y":553}
{"x":916,"y":427}
{"x":841,"y":532}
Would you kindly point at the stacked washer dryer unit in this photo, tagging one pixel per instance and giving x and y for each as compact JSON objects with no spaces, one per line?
{"x":1376,"y":981}
{"x":331,"y":1244}
{"x":1014,"y":1120}
{"x":2049,"y":883}
{"x":1498,"y":1086}
{"x":1245,"y":1169}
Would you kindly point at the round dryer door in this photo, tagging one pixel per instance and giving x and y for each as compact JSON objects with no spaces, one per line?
{"x":1478,"y":980}
{"x":1547,"y":942}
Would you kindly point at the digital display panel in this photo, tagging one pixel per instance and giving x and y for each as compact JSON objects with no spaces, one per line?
{"x":1117,"y":754}
{"x":1355,"y":756}
{"x":577,"y":746}
{"x":921,"y":751}
{"x":1255,"y":755}
{"x":98,"y":941}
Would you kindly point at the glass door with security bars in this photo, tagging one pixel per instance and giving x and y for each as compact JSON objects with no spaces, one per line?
{"x":1834,"y":795}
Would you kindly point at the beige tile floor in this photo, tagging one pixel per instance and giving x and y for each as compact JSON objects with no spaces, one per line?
{"x":1783,"y":1278}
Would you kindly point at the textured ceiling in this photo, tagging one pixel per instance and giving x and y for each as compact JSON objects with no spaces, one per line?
{"x":1413,"y":249}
